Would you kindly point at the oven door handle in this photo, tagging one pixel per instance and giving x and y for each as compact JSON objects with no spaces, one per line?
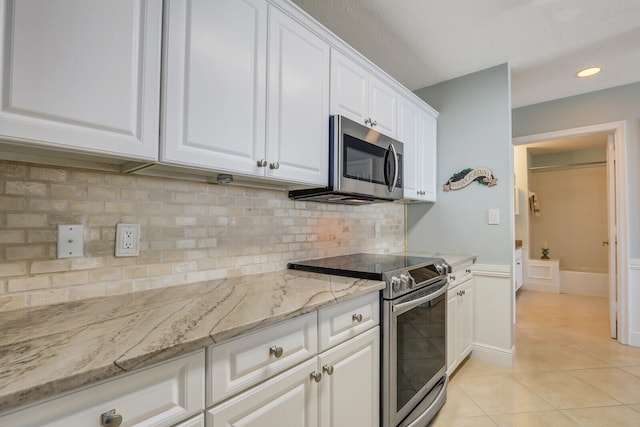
{"x":414,"y":302}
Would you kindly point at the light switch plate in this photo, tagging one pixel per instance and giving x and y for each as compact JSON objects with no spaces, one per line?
{"x":70,"y":241}
{"x":494,"y":216}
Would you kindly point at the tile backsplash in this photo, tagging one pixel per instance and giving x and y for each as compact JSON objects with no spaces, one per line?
{"x":190,"y":232}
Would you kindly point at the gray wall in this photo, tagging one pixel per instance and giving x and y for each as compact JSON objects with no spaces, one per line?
{"x":474,"y":130}
{"x":605,"y":106}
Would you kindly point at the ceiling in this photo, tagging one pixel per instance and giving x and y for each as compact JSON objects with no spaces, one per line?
{"x":424,"y":42}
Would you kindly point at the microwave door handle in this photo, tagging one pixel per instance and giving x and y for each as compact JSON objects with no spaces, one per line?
{"x":391,"y":185}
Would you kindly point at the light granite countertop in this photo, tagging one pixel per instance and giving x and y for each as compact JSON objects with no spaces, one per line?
{"x":53,"y":349}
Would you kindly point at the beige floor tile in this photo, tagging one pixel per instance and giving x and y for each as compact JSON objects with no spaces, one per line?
{"x":565,"y":357}
{"x":611,"y":416}
{"x":633,"y":370}
{"x":459,"y":404}
{"x":618,"y":384}
{"x":610,"y":351}
{"x":475,"y":367}
{"x":526,"y":362}
{"x":564,"y":391}
{"x":501,"y":394}
{"x":635,"y":408}
{"x":535,"y":419}
{"x":483,"y":421}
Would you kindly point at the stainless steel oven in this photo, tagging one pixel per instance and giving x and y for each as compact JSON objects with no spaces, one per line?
{"x":414,"y":356}
{"x":413,"y":359}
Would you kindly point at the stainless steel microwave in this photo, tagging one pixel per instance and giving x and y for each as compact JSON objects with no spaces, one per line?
{"x":365,"y":166}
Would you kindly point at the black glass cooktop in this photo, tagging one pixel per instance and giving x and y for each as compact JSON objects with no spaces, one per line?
{"x":362,"y":266}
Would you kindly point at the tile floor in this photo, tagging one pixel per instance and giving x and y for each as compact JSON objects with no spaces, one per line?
{"x":566,"y":372}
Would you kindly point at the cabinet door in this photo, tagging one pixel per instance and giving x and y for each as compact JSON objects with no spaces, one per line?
{"x":383,"y":105}
{"x":465,"y":319}
{"x":69,"y":81}
{"x":452,"y":330}
{"x":215,"y":85}
{"x":289,"y":399}
{"x":298,"y":113}
{"x":409,"y":133}
{"x":349,"y":88}
{"x":197,"y":421}
{"x":159,"y":396}
{"x":427,"y":157}
{"x":350,"y":386}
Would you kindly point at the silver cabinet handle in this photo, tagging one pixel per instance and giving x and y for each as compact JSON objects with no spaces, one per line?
{"x":262,"y":163}
{"x":452,"y":277}
{"x":274,"y":165}
{"x":468,"y":271}
{"x":368,"y":121}
{"x":276,"y":351}
{"x":374,"y":123}
{"x":316,"y":376}
{"x":357,"y":318}
{"x":111,"y":419}
{"x":328,"y":369}
{"x":459,"y":293}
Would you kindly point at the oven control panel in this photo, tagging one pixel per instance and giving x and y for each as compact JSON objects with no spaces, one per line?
{"x":406,"y":280}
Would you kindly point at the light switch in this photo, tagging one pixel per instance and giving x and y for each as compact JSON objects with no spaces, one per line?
{"x":494,"y":216}
{"x":70,"y":241}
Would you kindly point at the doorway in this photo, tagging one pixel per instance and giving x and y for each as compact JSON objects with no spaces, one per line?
{"x":611,"y":136}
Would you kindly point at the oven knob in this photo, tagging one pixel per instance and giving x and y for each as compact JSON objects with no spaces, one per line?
{"x":406,"y":281}
{"x":396,"y":284}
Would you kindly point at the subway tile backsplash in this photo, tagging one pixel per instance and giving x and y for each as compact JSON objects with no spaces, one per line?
{"x":190,"y":232}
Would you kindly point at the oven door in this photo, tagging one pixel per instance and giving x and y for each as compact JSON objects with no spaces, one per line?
{"x":414,"y":353}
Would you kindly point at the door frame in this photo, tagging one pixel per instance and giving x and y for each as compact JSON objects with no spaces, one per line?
{"x":620,"y":198}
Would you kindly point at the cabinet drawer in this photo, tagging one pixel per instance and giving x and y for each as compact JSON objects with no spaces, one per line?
{"x":238,"y":364}
{"x":348,"y":319}
{"x":162,"y":395}
{"x":460,"y":275}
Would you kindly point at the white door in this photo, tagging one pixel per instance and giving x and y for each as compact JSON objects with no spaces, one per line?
{"x":349,"y":88}
{"x":289,"y":399}
{"x":82,"y":76}
{"x":408,"y":134}
{"x":613,"y":239}
{"x":350,"y":387}
{"x":298,"y":112}
{"x":215,"y":85}
{"x":428,"y":157}
{"x":465,"y":310}
{"x":383,"y":105}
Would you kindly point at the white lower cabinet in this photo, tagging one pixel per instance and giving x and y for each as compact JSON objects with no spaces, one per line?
{"x":338,"y":387}
{"x":459,"y":322}
{"x":162,"y":395}
{"x":350,"y":396}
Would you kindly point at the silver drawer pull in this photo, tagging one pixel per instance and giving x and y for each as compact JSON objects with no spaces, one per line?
{"x":276,"y":351}
{"x":357,"y":318}
{"x":274,"y":165}
{"x":262,"y":163}
{"x":328,"y":369}
{"x":111,"y":419}
{"x":316,"y":376}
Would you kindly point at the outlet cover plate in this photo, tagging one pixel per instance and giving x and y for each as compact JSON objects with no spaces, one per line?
{"x":70,"y":241}
{"x":127,"y":240}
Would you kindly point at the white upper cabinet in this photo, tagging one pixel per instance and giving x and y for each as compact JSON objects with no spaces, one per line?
{"x":417,"y":131}
{"x":298,"y":113}
{"x":215,"y":84}
{"x":215,"y":115}
{"x":82,"y":75}
{"x":361,"y":97}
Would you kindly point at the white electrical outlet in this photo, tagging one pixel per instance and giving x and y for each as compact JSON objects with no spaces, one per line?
{"x":127,"y":240}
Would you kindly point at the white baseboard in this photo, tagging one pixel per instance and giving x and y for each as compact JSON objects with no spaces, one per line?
{"x":495,"y":355}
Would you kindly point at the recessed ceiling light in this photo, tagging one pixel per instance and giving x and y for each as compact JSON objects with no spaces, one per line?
{"x":588,"y":72}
